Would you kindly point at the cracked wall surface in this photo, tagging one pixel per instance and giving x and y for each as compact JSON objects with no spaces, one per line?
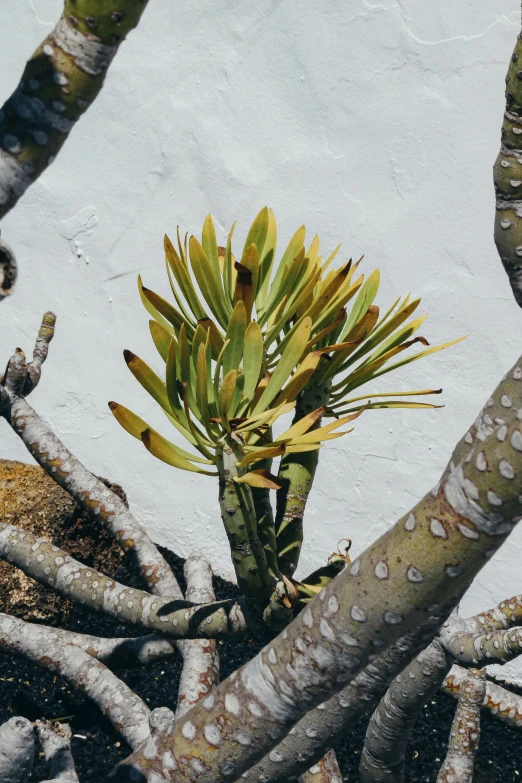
{"x":374,"y":123}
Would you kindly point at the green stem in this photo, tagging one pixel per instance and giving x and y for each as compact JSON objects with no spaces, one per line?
{"x":508,"y":178}
{"x":239,"y":518}
{"x":265,"y":516}
{"x":297,"y":472}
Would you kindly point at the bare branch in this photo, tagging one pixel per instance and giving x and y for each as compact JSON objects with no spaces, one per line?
{"x":200,"y":670}
{"x":56,"y":743}
{"x":465,"y":732}
{"x":392,"y":722}
{"x":498,"y":701}
{"x":16,"y":750}
{"x":54,"y":568}
{"x":87,"y":490}
{"x":59,"y":83}
{"x":127,"y":712}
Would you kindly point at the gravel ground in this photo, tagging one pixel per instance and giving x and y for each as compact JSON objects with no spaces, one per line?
{"x":27,"y":690}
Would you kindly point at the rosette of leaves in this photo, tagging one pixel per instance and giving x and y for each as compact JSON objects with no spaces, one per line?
{"x":248,"y":341}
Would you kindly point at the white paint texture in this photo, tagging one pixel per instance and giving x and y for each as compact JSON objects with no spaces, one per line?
{"x":375,"y":123}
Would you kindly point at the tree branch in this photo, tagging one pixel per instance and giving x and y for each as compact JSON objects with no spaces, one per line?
{"x":465,"y":732}
{"x":88,"y":491}
{"x":16,"y":750}
{"x":59,"y":83}
{"x":127,"y":712}
{"x":499,"y":702}
{"x":200,"y":670}
{"x":392,"y":722}
{"x":54,"y":568}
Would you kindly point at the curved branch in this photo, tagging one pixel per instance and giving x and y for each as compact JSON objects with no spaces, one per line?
{"x":127,"y":712}
{"x":465,"y":731}
{"x":54,"y":568}
{"x":498,"y":701}
{"x":59,"y":83}
{"x":89,"y":492}
{"x":392,"y":722}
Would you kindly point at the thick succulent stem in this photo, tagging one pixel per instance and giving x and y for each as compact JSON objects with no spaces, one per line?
{"x":200,"y":656}
{"x":127,"y":712}
{"x":328,"y":723}
{"x":59,"y":83}
{"x":92,"y":495}
{"x":465,"y":731}
{"x":16,"y":750}
{"x":499,"y":702}
{"x":412,"y":576}
{"x":56,"y":744}
{"x":54,"y":568}
{"x":239,"y":518}
{"x":508,"y":178}
{"x":392,"y":722}
{"x":125,"y":652}
{"x":297,"y":471}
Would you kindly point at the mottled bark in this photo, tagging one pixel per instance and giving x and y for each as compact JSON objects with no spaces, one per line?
{"x":59,"y":83}
{"x":200,"y":656}
{"x":498,"y":701}
{"x":392,"y":722}
{"x":176,"y":619}
{"x":127,"y":712}
{"x":508,"y":178}
{"x":328,"y":723}
{"x":325,"y":771}
{"x":16,"y":750}
{"x":56,"y":744}
{"x":88,"y":491}
{"x":465,"y":731}
{"x":239,"y":518}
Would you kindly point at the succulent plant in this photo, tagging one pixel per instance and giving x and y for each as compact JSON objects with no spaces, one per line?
{"x":247,"y":342}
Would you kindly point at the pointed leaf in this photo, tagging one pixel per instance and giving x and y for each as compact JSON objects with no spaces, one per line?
{"x":209,"y":284}
{"x":182,"y":275}
{"x":161,"y":337}
{"x":252,"y":358}
{"x":167,"y":452}
{"x":236,"y":336}
{"x":287,"y":363}
{"x":260,"y":478}
{"x":151,"y":382}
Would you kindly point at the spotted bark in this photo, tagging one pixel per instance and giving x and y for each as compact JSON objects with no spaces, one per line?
{"x":465,"y":731}
{"x":127,"y":712}
{"x":391,"y":724}
{"x":325,"y":771}
{"x":499,"y":702}
{"x":59,"y":83}
{"x":200,"y":656}
{"x":54,"y":568}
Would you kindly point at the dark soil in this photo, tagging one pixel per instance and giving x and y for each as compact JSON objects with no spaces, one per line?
{"x":27,"y":690}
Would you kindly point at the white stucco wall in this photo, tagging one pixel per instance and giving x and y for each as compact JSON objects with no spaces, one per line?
{"x":375,"y":123}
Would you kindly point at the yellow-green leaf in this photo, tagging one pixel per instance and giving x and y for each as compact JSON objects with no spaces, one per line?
{"x":209,"y":284}
{"x":260,"y":478}
{"x":286,"y":365}
{"x":182,"y":276}
{"x":161,"y":338}
{"x":252,"y":358}
{"x":151,"y":382}
{"x":236,"y":337}
{"x":167,"y":452}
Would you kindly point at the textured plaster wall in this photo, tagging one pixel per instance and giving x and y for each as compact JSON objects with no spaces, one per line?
{"x":374,"y":123}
